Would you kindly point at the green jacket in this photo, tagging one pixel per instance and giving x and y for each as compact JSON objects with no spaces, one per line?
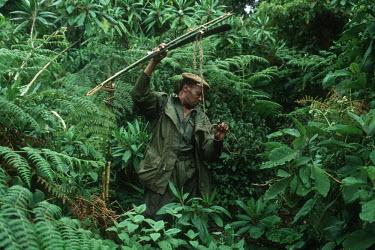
{"x":161,"y":154}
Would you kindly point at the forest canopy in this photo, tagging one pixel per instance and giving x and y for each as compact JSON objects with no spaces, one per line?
{"x":294,"y":80}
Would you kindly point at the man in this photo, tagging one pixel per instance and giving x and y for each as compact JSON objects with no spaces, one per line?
{"x":181,"y":140}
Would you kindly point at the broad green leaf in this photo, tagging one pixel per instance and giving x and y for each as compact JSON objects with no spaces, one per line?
{"x":271,"y":221}
{"x":300,"y":161}
{"x":372,"y":156}
{"x":132,"y":227}
{"x":350,"y":194}
{"x":304,"y":174}
{"x":243,"y":230}
{"x":359,"y":83}
{"x":256,"y":231}
{"x":3,"y":2}
{"x":345,"y":129}
{"x":302,"y":190}
{"x":370,"y":172}
{"x":351,"y":181}
{"x":155,"y":236}
{"x":138,"y":218}
{"x":283,"y":173}
{"x":354,"y":68}
{"x":172,"y":231}
{"x":105,"y":25}
{"x":360,"y":121}
{"x":336,"y":145}
{"x":217,"y":220}
{"x":293,"y":185}
{"x":140,"y":209}
{"x":70,"y":9}
{"x":275,"y":135}
{"x":298,"y":142}
{"x":134,"y":147}
{"x":322,"y":183}
{"x":305,"y":209}
{"x":173,"y":189}
{"x":359,"y":240}
{"x":275,"y":189}
{"x":273,"y":144}
{"x":291,"y":131}
{"x":329,"y":246}
{"x":368,"y":211}
{"x":159,"y":225}
{"x":93,"y":175}
{"x":144,"y":238}
{"x":370,"y":125}
{"x":165,"y":245}
{"x":279,"y":156}
{"x":329,"y":79}
{"x":124,"y":237}
{"x":299,"y":126}
{"x":80,"y":20}
{"x":191,"y":234}
{"x":283,"y":235}
{"x":194,"y":243}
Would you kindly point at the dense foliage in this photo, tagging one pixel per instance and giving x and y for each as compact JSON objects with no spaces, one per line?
{"x":294,"y":80}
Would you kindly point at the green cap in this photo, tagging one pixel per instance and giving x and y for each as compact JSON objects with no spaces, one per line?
{"x":199,"y":80}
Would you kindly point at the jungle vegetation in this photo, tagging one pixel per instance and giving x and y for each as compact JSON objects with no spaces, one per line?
{"x":293,"y":79}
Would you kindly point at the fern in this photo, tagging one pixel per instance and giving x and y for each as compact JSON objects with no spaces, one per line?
{"x":268,"y":73}
{"x":122,"y":102}
{"x":14,"y":204}
{"x":15,"y":117}
{"x":42,"y":165}
{"x":68,"y":232}
{"x":315,"y":102}
{"x":266,"y":108}
{"x":3,"y":180}
{"x":46,"y":215}
{"x":41,"y":227}
{"x":18,"y":162}
{"x":244,"y":61}
{"x":7,"y":240}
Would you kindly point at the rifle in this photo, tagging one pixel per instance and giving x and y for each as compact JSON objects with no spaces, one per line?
{"x":203,"y":31}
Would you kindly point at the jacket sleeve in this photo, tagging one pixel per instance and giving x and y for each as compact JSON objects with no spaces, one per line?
{"x":209,"y":150}
{"x":146,"y":101}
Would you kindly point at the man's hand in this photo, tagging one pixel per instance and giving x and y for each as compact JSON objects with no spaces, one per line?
{"x":220,"y":131}
{"x":161,"y":56}
{"x":154,"y":61}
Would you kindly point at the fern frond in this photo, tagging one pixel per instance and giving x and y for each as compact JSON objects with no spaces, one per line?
{"x":243,"y":61}
{"x":68,"y":231}
{"x":58,"y":191}
{"x":268,"y":73}
{"x":3,"y":181}
{"x":18,"y":196}
{"x":7,"y":239}
{"x":58,"y":163}
{"x":46,"y":216}
{"x":15,"y":206}
{"x":43,"y":167}
{"x":18,"y":162}
{"x":122,"y":101}
{"x":11,"y":114}
{"x":46,"y":211}
{"x":266,"y":108}
{"x":41,"y":228}
{"x":21,"y":228}
{"x":316,"y":102}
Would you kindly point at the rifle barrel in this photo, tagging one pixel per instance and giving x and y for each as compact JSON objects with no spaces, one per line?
{"x":178,"y":42}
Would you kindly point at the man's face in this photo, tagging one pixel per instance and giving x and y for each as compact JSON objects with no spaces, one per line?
{"x":194,"y":95}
